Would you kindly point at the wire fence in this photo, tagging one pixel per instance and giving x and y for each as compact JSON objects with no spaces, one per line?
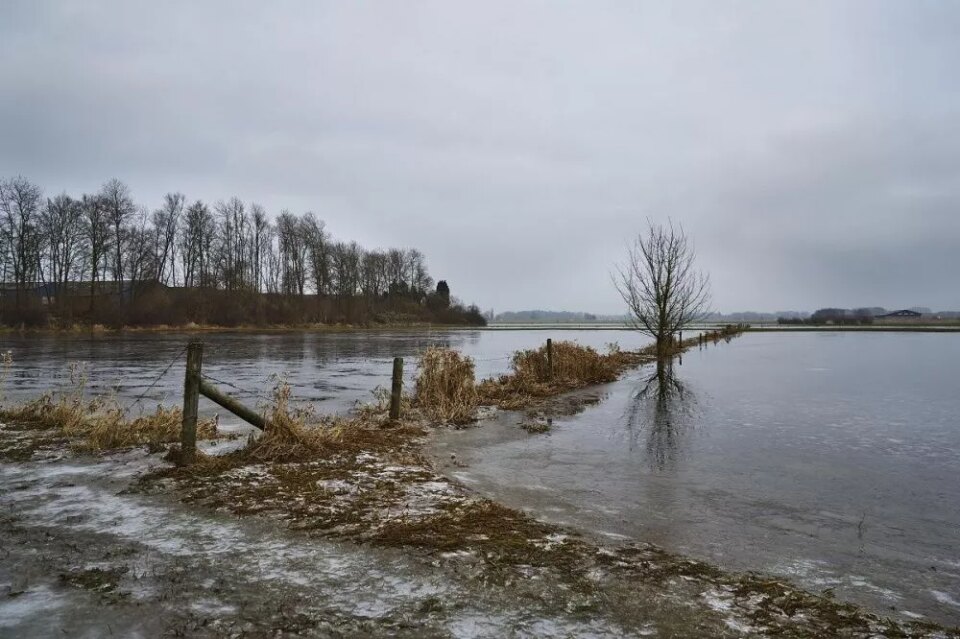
{"x":156,"y":379}
{"x":254,"y":392}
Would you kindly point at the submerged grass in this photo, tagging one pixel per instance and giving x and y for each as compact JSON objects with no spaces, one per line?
{"x":99,"y":423}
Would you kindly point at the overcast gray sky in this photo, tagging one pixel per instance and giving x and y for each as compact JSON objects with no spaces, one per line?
{"x":812,"y":149}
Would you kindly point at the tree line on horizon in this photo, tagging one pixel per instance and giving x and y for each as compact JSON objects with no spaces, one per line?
{"x":103,"y":258}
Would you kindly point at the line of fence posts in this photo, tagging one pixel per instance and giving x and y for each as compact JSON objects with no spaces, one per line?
{"x":194,"y":385}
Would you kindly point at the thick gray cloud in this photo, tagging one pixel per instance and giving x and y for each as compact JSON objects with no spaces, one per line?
{"x":811,"y":148}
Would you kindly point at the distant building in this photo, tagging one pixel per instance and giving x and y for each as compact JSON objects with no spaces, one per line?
{"x":901,"y":314}
{"x":48,"y":291}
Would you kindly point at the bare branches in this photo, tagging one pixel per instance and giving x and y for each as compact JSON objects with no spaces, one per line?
{"x":659,"y":282}
{"x":101,"y":256}
{"x":20,"y":202}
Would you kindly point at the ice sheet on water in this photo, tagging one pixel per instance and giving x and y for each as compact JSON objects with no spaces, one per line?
{"x":30,"y":607}
{"x":362,"y":584}
{"x":945,"y":598}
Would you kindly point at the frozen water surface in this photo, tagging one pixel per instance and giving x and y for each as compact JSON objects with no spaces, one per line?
{"x":831,"y":459}
{"x":187,"y":571}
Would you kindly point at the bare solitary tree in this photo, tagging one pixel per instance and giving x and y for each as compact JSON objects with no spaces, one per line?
{"x":661,"y":285}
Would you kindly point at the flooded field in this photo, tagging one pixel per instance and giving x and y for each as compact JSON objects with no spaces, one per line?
{"x":830,"y":459}
{"x":335,"y":370}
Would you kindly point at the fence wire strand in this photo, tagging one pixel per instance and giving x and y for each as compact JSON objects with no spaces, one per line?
{"x":257,"y":394}
{"x":159,"y":377}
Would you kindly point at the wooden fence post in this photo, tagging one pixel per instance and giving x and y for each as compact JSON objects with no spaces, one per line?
{"x":550,"y":359}
{"x":397,"y":388}
{"x":214,"y":394}
{"x":191,"y":397}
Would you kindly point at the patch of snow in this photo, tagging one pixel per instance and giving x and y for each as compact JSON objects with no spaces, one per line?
{"x":337,"y":486}
{"x":256,"y":471}
{"x":945,"y":598}
{"x":40,"y":603}
{"x":738,"y":626}
{"x":486,"y":412}
{"x":212,"y":607}
{"x":716,"y":601}
{"x":538,"y":487}
{"x":466,"y":478}
{"x":613,"y":535}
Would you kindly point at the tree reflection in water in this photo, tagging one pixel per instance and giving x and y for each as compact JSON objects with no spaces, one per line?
{"x":665,"y":408}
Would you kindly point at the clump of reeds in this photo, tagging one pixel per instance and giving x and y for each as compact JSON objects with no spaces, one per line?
{"x":294,"y":433}
{"x":102,"y":424}
{"x":445,"y":389}
{"x":112,"y":429}
{"x":574,"y":366}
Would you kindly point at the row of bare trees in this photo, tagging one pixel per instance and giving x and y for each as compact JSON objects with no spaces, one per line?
{"x":63,"y":247}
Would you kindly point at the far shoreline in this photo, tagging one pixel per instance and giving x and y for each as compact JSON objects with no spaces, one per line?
{"x":201,"y":329}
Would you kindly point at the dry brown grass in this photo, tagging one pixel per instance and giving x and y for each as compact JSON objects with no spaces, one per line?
{"x":162,"y":426}
{"x":99,"y":423}
{"x":574,"y":366}
{"x":102,"y":423}
{"x":296,"y":433}
{"x":380,"y":407}
{"x":445,"y":388}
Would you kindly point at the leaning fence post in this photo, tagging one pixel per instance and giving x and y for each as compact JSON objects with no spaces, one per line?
{"x":396,"y":388}
{"x":191,"y":398}
{"x":549,"y":359}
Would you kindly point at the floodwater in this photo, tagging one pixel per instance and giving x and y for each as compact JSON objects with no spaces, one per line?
{"x":334,"y":370}
{"x":832,"y":459}
{"x":828,"y":458}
